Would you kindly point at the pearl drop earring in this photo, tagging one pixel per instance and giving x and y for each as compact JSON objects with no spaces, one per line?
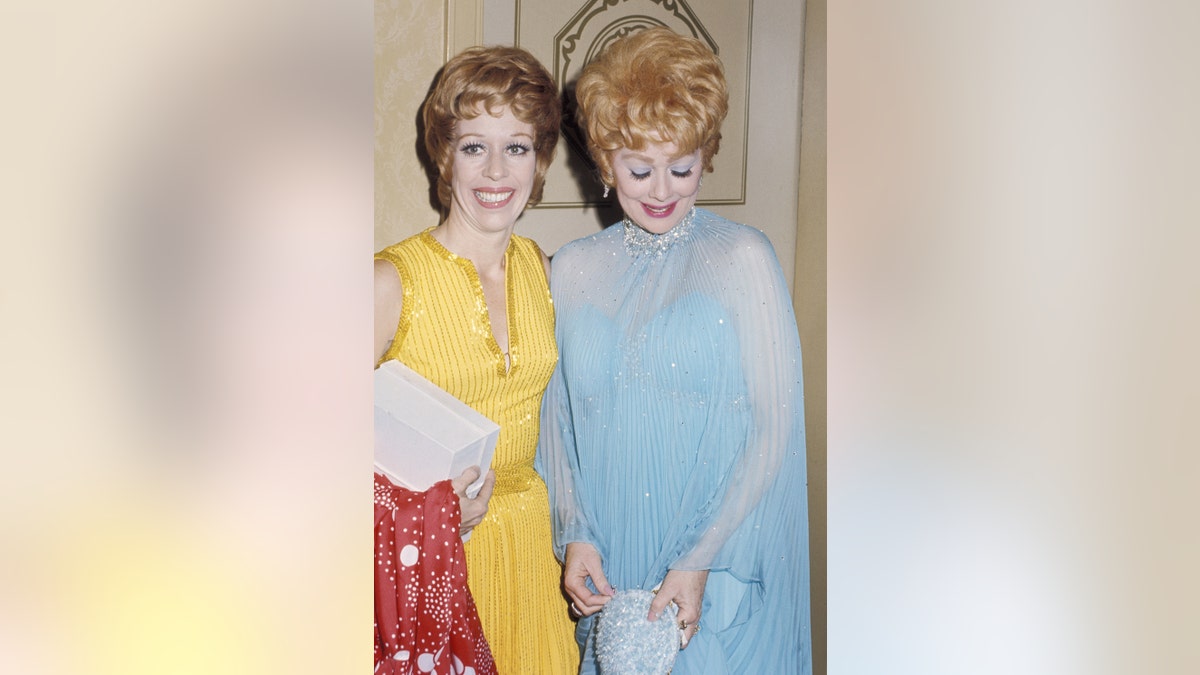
{"x":605,"y":196}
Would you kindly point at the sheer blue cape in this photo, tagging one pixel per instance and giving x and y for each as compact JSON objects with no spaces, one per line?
{"x":672,"y":432}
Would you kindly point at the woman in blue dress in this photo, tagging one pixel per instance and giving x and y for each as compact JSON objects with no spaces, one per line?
{"x":672,"y":437}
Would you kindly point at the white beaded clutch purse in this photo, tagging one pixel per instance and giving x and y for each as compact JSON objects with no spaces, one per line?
{"x":628,"y":644}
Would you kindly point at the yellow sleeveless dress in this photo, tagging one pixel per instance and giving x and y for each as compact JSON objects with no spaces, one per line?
{"x":445,"y":334}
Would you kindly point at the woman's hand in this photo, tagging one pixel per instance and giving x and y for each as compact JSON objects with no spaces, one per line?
{"x":473,"y":510}
{"x":583,"y":561}
{"x":686,"y":590}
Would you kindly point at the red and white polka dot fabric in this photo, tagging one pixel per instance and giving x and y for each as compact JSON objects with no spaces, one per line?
{"x":425,"y":618}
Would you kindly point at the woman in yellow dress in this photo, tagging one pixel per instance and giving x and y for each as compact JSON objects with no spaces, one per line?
{"x":467,"y":305}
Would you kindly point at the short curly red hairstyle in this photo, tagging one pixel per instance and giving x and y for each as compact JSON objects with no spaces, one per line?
{"x":491,"y":79}
{"x":652,"y":86}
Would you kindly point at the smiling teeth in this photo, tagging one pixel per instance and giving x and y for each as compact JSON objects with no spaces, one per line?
{"x":656,"y":211}
{"x":492,"y":197}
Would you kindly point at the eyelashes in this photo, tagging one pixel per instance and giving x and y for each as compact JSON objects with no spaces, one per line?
{"x":471,"y":148}
{"x":475,"y":148}
{"x":677,"y":174}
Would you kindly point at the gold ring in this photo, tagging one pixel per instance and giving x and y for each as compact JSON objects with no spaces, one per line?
{"x":683,"y":625}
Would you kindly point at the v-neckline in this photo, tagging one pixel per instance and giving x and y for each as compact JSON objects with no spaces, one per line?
{"x":504,"y":359}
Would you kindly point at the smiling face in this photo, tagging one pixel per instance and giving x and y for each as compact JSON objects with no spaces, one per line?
{"x":656,"y":186}
{"x":494,"y":165}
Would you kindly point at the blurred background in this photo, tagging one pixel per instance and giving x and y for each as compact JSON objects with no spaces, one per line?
{"x":186,"y":351}
{"x":1013,"y":305}
{"x":1012,"y":314}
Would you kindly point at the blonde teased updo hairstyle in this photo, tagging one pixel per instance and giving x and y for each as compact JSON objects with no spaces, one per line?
{"x":488,"y":79}
{"x":653,"y":85}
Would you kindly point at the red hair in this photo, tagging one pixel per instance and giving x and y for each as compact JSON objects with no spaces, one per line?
{"x":652,"y":86}
{"x":491,"y":79}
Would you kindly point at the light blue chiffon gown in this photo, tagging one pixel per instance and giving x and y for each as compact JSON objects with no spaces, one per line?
{"x":672,"y":432}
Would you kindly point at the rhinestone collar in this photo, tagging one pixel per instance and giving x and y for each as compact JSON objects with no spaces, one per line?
{"x":639,"y":242}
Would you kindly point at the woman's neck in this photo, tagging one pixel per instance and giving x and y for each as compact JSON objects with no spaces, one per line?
{"x":485,"y":249}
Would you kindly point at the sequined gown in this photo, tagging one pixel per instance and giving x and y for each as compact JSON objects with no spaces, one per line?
{"x":445,"y":334}
{"x":673,"y":432}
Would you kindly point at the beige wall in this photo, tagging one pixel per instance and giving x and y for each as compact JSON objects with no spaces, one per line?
{"x":809,"y":300}
{"x":409,"y":47}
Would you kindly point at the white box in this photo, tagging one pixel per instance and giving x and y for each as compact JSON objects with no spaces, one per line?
{"x":423,"y":434}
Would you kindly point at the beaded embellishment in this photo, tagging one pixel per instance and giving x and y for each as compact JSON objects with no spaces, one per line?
{"x":639,"y":242}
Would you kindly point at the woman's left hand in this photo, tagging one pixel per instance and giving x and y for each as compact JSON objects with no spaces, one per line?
{"x":686,"y":590}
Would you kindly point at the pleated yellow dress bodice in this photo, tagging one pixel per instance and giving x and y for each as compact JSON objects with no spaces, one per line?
{"x":445,"y":334}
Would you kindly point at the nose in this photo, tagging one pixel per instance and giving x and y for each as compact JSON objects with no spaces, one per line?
{"x":659,"y":189}
{"x":496,"y":167}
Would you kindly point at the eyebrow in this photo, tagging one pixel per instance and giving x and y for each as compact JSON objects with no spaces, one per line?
{"x":474,"y":135}
{"x":670,"y":160}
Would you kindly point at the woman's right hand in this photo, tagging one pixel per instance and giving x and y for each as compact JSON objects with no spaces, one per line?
{"x":473,"y":510}
{"x":583,"y":562}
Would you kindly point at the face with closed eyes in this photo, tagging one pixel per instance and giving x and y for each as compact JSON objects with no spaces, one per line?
{"x":494,"y":166}
{"x":656,"y":186}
